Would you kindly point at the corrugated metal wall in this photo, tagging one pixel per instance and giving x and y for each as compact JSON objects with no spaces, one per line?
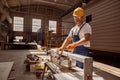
{"x":105,"y":25}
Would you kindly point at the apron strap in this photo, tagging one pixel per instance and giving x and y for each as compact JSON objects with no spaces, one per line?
{"x":80,"y":28}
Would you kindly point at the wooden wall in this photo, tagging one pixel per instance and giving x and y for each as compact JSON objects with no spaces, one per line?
{"x":67,"y":23}
{"x":39,"y":12}
{"x":105,"y":25}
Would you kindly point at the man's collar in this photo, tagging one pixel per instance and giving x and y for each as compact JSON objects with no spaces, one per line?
{"x":81,"y":24}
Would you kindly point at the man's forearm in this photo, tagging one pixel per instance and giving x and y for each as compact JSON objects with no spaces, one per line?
{"x":67,"y":41}
{"x":83,"y":41}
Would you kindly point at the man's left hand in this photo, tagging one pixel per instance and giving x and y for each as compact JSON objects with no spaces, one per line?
{"x":71,"y":46}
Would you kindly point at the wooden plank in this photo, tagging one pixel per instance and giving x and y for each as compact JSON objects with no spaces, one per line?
{"x":69,"y":76}
{"x":107,"y":68}
{"x":88,"y":68}
{"x":5,"y":68}
{"x":74,"y":76}
{"x":52,"y":67}
{"x":77,"y":57}
{"x":38,"y":52}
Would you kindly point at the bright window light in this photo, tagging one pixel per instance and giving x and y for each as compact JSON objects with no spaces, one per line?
{"x":18,"y":38}
{"x":52,"y":26}
{"x":18,"y":23}
{"x":36,"y":25}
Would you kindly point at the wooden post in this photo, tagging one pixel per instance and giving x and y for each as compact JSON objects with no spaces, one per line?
{"x":88,"y":68}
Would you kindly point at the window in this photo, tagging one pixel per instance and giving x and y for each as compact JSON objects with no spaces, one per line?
{"x":18,"y":38}
{"x":88,"y":18}
{"x":18,"y":24}
{"x":52,"y":26}
{"x":36,"y":24}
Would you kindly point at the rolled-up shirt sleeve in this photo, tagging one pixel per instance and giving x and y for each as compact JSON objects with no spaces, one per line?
{"x":87,"y":29}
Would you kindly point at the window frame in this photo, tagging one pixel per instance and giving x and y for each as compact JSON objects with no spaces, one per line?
{"x":34,"y":21}
{"x":18,"y":23}
{"x":54,"y":29}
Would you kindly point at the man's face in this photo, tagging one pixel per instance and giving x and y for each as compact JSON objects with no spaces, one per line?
{"x":78,"y":20}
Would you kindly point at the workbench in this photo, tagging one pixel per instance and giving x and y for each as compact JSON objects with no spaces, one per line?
{"x":86,"y":71}
{"x":20,"y":45}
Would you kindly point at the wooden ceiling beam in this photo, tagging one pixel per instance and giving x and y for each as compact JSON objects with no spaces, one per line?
{"x":4,"y":3}
{"x":53,"y":3}
{"x":79,"y":4}
{"x":4,"y":10}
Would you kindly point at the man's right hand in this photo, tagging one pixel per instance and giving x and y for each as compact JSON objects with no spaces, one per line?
{"x":59,"y":49}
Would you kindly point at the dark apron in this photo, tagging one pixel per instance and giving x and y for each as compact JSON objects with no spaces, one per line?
{"x":79,"y":49}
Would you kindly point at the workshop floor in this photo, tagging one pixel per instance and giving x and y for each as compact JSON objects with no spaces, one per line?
{"x":18,"y":56}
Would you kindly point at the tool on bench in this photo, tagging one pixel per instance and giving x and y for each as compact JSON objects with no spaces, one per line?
{"x":60,"y":58}
{"x":60,"y":55}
